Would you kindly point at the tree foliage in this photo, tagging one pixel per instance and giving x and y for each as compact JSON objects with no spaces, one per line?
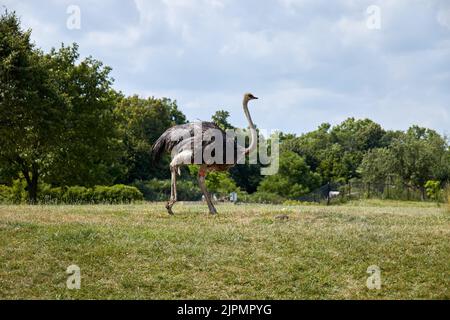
{"x":378,"y":165}
{"x":141,"y":122}
{"x":55,"y":113}
{"x":419,"y":153}
{"x":293,"y":179}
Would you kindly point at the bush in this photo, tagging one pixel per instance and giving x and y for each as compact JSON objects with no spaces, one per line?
{"x":159,"y":190}
{"x":294,"y":178}
{"x":19,"y":194}
{"x":78,"y":194}
{"x":49,"y":195}
{"x":433,"y":189}
{"x":116,"y":194}
{"x":14,"y":194}
{"x":81,"y":195}
{"x":5,"y":194}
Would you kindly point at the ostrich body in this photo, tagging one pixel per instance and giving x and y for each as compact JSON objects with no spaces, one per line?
{"x":183,"y":150}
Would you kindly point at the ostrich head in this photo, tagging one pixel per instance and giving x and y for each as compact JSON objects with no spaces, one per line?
{"x":248,"y":97}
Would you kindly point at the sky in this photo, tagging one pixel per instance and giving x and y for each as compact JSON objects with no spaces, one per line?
{"x":309,"y":61}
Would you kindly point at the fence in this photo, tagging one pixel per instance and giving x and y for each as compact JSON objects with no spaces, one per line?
{"x":355,"y":190}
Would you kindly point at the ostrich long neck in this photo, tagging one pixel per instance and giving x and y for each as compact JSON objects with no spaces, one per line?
{"x":253,"y":135}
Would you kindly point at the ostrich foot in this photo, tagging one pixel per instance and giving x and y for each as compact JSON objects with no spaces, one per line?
{"x":169,"y":208}
{"x":213,"y":211}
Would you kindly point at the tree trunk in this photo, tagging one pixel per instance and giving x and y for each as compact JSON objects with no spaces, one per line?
{"x":32,"y":184}
{"x":388,"y":195}
{"x":33,"y":190}
{"x":328,"y":194}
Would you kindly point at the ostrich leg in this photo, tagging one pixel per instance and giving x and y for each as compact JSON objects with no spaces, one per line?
{"x":201,"y":182}
{"x":173,"y":190}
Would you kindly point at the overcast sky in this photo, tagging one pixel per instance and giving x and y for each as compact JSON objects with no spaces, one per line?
{"x":310,"y":61}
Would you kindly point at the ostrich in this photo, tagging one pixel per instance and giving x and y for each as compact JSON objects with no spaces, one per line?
{"x":170,"y":141}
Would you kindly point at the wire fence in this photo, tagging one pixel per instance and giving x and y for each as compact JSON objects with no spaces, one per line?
{"x":356,"y":190}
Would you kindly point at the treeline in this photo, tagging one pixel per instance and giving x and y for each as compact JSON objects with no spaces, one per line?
{"x":64,"y":130}
{"x":417,"y":159}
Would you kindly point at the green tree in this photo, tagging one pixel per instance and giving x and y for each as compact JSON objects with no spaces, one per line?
{"x":55,"y":115}
{"x":293,"y":179}
{"x":378,"y":165}
{"x":141,"y":122}
{"x":220,"y":118}
{"x":312,"y":146}
{"x":30,"y":106}
{"x":88,"y":147}
{"x":357,"y":135}
{"x":419,"y":152}
{"x":336,"y":152}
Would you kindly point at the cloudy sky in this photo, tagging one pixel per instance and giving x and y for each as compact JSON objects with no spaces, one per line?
{"x":310,"y":61}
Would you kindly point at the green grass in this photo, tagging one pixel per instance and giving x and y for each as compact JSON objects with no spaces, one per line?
{"x":140,"y":252}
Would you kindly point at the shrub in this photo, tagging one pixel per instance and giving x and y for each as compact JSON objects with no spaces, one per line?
{"x":76,"y":194}
{"x":14,"y":194}
{"x":49,"y":195}
{"x":82,"y":195}
{"x":433,"y":189}
{"x":5,"y":194}
{"x":19,"y":194}
{"x":159,"y":190}
{"x":116,"y":194}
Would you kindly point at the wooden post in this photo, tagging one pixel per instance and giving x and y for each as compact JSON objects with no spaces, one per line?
{"x":328,"y":193}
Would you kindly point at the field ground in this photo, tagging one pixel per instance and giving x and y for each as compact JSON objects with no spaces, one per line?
{"x":138,"y":251}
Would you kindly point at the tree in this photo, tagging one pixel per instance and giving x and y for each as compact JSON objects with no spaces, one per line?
{"x":30,"y":106}
{"x":88,"y":146}
{"x":293,"y":179}
{"x":336,"y":152}
{"x":378,"y":165}
{"x":312,"y":145}
{"x":357,"y":135}
{"x":220,"y":118}
{"x":55,"y":115}
{"x":141,"y":122}
{"x":419,"y":152}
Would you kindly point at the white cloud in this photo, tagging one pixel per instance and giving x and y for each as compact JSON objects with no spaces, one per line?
{"x":443,"y":17}
{"x":310,"y":61}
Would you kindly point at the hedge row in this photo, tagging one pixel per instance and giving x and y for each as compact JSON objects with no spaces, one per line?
{"x":153,"y":190}
{"x":159,"y":190}
{"x":75,"y":195}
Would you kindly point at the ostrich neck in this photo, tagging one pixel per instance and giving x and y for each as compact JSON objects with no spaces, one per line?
{"x":253,"y":135}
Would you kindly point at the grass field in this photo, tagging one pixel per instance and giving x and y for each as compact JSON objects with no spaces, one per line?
{"x":138,"y":251}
